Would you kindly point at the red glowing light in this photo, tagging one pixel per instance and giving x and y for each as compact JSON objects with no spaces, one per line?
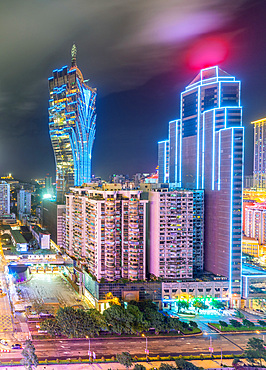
{"x":207,"y":52}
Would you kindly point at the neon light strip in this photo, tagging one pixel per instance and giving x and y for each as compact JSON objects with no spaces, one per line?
{"x":198,"y":124}
{"x":203,"y":152}
{"x":219,"y":162}
{"x":231,"y":214}
{"x":213,"y":148}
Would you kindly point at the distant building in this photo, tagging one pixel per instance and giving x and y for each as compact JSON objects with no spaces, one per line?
{"x":23,"y":203}
{"x":4,"y":198}
{"x":176,"y":233}
{"x":106,"y":232}
{"x":19,"y":241}
{"x":72,"y":118}
{"x":259,"y":171}
{"x":41,"y":236}
{"x":53,"y":220}
{"x":252,"y":247}
{"x":255,"y":222}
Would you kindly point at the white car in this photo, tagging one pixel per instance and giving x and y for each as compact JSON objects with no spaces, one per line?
{"x":4,"y":342}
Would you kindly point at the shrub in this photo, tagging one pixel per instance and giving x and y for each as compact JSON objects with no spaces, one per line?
{"x":235,"y":323}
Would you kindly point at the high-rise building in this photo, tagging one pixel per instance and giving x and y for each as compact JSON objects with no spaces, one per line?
{"x":176,"y":233}
{"x":255,"y":222}
{"x":72,"y":117}
{"x":210,"y":157}
{"x":106,"y":232}
{"x":4,"y":198}
{"x":23,"y":203}
{"x":53,"y":219}
{"x":259,"y":171}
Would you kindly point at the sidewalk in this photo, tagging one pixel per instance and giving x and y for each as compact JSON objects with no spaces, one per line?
{"x":206,"y":364}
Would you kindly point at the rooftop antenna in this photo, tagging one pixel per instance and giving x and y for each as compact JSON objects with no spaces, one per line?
{"x":74,"y":56}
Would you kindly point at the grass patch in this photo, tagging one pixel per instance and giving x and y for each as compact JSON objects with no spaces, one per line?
{"x":225,"y":329}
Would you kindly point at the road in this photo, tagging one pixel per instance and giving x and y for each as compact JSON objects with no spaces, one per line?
{"x":64,"y":348}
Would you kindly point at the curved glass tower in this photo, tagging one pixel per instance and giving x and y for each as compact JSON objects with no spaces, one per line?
{"x":72,"y":118}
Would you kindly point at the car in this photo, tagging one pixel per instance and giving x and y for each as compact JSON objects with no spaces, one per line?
{"x":4,"y":342}
{"x":16,"y":346}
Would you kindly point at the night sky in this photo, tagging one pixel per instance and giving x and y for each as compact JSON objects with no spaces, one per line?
{"x":140,"y":54}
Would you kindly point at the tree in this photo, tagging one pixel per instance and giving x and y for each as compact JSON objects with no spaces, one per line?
{"x":118,"y":319}
{"x":193,"y":324}
{"x":262,"y":323}
{"x":218,"y":304}
{"x":185,"y":365}
{"x":125,"y":359}
{"x":30,"y":359}
{"x":255,"y":351}
{"x":156,"y":320}
{"x":237,"y":363}
{"x":182,"y":305}
{"x":223,"y":323}
{"x":235,"y":323}
{"x":139,"y":323}
{"x":75,"y":323}
{"x":200,"y":305}
{"x":239,"y":315}
{"x":51,"y":326}
{"x":167,"y":367}
{"x":139,"y":367}
{"x":99,"y":320}
{"x":248,"y":323}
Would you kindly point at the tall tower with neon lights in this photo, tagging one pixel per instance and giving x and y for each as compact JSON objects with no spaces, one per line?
{"x":72,"y":119}
{"x":210,"y":156}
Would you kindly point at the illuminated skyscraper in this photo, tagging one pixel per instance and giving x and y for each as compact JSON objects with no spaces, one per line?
{"x":259,"y":153}
{"x":210,"y":157}
{"x":72,"y":116}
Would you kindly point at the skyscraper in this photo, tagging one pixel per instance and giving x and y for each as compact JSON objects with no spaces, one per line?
{"x":259,"y":171}
{"x":72,"y":117}
{"x":4,"y":198}
{"x":210,"y":157}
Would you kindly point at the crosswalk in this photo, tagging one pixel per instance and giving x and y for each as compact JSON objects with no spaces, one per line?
{"x":5,"y":323}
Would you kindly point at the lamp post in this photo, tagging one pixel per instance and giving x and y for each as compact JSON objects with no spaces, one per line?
{"x":146,"y":349}
{"x":89,"y":351}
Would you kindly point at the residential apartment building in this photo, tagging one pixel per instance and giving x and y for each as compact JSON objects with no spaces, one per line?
{"x":23,"y":203}
{"x":176,"y":233}
{"x":106,"y":232}
{"x":4,"y":198}
{"x":255,"y":222}
{"x":259,"y":170}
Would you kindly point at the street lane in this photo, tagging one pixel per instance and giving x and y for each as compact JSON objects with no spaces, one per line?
{"x":63,"y":348}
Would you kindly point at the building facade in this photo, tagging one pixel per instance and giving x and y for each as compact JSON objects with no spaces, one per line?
{"x":211,"y":158}
{"x":176,"y":233}
{"x":106,"y":232}
{"x":53,"y":219}
{"x":4,"y":198}
{"x":259,"y":171}
{"x":255,"y":222}
{"x":72,"y":118}
{"x":23,"y":203}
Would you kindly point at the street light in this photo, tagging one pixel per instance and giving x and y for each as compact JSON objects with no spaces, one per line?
{"x":89,"y":351}
{"x":146,"y":349}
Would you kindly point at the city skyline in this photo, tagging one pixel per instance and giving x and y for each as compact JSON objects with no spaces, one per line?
{"x":133,"y":100}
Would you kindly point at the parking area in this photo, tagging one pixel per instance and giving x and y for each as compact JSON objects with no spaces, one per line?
{"x":49,"y":289}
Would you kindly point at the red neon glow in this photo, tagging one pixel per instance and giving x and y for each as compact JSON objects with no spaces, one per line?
{"x":207,"y":52}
